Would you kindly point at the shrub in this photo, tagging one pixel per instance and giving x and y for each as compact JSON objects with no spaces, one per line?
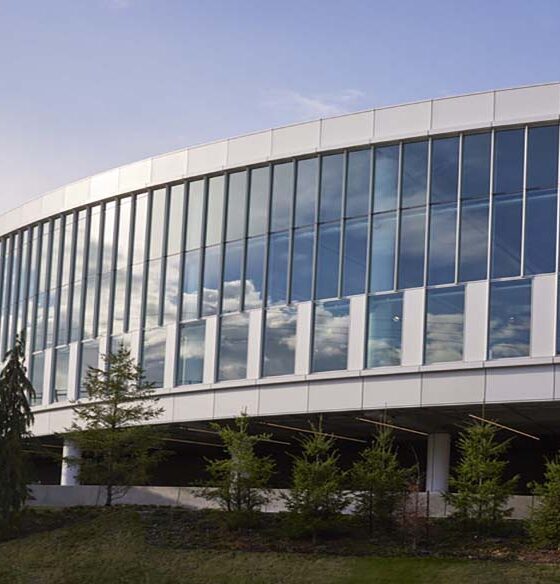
{"x":544,"y":525}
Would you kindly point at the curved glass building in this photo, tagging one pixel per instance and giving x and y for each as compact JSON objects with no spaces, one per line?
{"x":398,"y":263}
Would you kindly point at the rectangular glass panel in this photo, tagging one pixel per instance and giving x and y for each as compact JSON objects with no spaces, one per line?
{"x":330,"y":336}
{"x":190,"y":365}
{"x":386,"y":179}
{"x":542,"y":157}
{"x":232,"y":355}
{"x":445,"y":308}
{"x":140,"y":218}
{"x":441,"y":250}
{"x":171,"y":292}
{"x":358,"y":179}
{"x":211,"y":280}
{"x":279,"y":341}
{"x":508,"y":161}
{"x":414,"y":174}
{"x":254,"y":272}
{"x":540,"y":232}
{"x":89,"y":358}
{"x":236,"y":211}
{"x":306,"y":191}
{"x":445,"y":170}
{"x":176,"y":219}
{"x":411,"y":248}
{"x":194,"y":215}
{"x":384,"y":330}
{"x":153,"y":293}
{"x":475,"y":166}
{"x":277,"y":284}
{"x":231,"y":291}
{"x":191,"y":282}
{"x":67,"y":251}
{"x":215,"y":210}
{"x":506,"y":236}
{"x":282,"y":196}
{"x":108,"y":236}
{"x":124,"y":234}
{"x":355,"y":256}
{"x":258,"y":200}
{"x":119,"y":302}
{"x":302,"y":264}
{"x":509,"y":333}
{"x":153,"y":356}
{"x":331,"y":187}
{"x":37,"y":376}
{"x":382,"y":263}
{"x":136,"y":296}
{"x":328,"y":250}
{"x":62,"y":333}
{"x":473,"y":244}
{"x":60,"y":376}
{"x":104,"y":299}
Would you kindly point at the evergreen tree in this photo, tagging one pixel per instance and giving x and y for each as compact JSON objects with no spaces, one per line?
{"x":118,"y":447}
{"x":479,"y":492}
{"x":239,"y":482}
{"x":15,"y":419}
{"x":544,"y":525}
{"x":316,"y":495}
{"x":379,"y":481}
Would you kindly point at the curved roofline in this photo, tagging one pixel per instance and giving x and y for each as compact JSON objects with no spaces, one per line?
{"x":530,"y":103}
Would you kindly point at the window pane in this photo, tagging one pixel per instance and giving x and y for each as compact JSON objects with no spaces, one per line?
{"x":194,"y":215}
{"x":232,"y":356}
{"x":191,"y":353}
{"x":153,"y":293}
{"x":302,"y":264}
{"x":542,"y":157}
{"x":445,"y":169}
{"x":508,"y":161}
{"x":139,"y":240}
{"x":280,"y":341}
{"x":211,"y":281}
{"x":540,"y":232}
{"x":282,"y":195}
{"x":306,"y":191}
{"x":258,"y":201}
{"x":153,"y":356}
{"x":89,"y":358}
{"x":37,"y":376}
{"x":176,"y":219}
{"x":123,"y":241}
{"x":215,"y":210}
{"x":384,"y":330}
{"x":330,"y":336}
{"x":506,"y":236}
{"x":157,"y":224}
{"x":231,"y":292}
{"x":278,"y":268}
{"x":445,"y":309}
{"x":331,"y":187}
{"x":411,"y":249}
{"x":237,"y":194}
{"x":386,"y":179}
{"x":191,"y":281}
{"x":358,"y":183}
{"x":414,"y":174}
{"x":171,"y":291}
{"x":441,"y":254}
{"x":76,"y":326}
{"x":382,"y":263}
{"x":510,"y":319}
{"x":327,"y":261}
{"x":60,"y":377}
{"x":355,"y":256}
{"x":473,"y":247}
{"x":475,"y":170}
{"x":254,"y":272}
{"x":136,"y":286}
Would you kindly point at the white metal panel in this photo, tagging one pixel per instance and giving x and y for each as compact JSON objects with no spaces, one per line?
{"x":254,"y":344}
{"x":210,"y":348}
{"x":105,"y":184}
{"x":12,"y":220}
{"x":230,"y":403}
{"x":196,"y":405}
{"x":335,"y":394}
{"x":403,"y":120}
{"x":303,"y":338}
{"x":30,"y":212}
{"x":347,"y":130}
{"x":40,"y":424}
{"x":60,"y":420}
{"x":543,"y":316}
{"x":169,"y":167}
{"x":453,"y":387}
{"x":527,"y":102}
{"x":170,"y":360}
{"x":520,"y":383}
{"x":297,"y":139}
{"x":392,"y":391}
{"x":413,"y":326}
{"x":476,"y":317}
{"x":136,"y":176}
{"x":249,"y":149}
{"x":209,"y":158}
{"x":357,"y":332}
{"x":77,"y":194}
{"x":455,"y":112}
{"x":283,"y":398}
{"x":166,"y":402}
{"x":53,"y":203}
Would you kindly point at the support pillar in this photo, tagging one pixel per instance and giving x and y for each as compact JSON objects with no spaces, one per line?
{"x":437,"y":468}
{"x":69,"y":472}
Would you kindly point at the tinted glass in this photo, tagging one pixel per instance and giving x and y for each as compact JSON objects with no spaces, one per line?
{"x":232,"y":356}
{"x":510,"y":319}
{"x":506,"y":236}
{"x":60,"y":377}
{"x":358,"y":176}
{"x":176,"y":219}
{"x":441,"y":250}
{"x":153,"y":356}
{"x":278,"y":268}
{"x":302,"y":264}
{"x":382,"y":265}
{"x":190,"y":365}
{"x":508,"y":161}
{"x":445,"y":309}
{"x":171,"y":290}
{"x":191,"y":281}
{"x":279,"y":341}
{"x":328,"y":249}
{"x":386,"y":178}
{"x":330,"y":336}
{"x":231,"y":292}
{"x":414,"y":174}
{"x":153,"y":293}
{"x":37,"y":376}
{"x":445,"y":170}
{"x":331,"y":187}
{"x":157,"y":222}
{"x":384,"y":330}
{"x":355,"y":256}
{"x":123,"y":240}
{"x":473,"y":245}
{"x":89,"y":358}
{"x":411,"y":249}
{"x":254,"y":272}
{"x":194,"y":214}
{"x":540,"y":232}
{"x":139,"y":239}
{"x":542,"y":157}
{"x":475,"y":170}
{"x":306,"y":191}
{"x":237,"y":194}
{"x":211,"y":280}
{"x":258,"y":200}
{"x":215,"y":210}
{"x":282,"y":195}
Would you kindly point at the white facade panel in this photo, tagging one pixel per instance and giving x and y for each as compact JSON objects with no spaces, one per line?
{"x":519,"y":384}
{"x":135,"y":176}
{"x":476,"y":316}
{"x":230,"y":403}
{"x":527,"y":102}
{"x":403,"y":120}
{"x":209,"y":158}
{"x":165,"y":402}
{"x":392,"y":391}
{"x":254,"y":344}
{"x":60,"y":420}
{"x":335,"y":394}
{"x":296,"y":139}
{"x":413,"y":326}
{"x":249,"y":149}
{"x":453,"y":387}
{"x":105,"y":184}
{"x":11,"y":220}
{"x":52,"y":203}
{"x":543,"y":316}
{"x":347,"y":130}
{"x":197,"y":405}
{"x":40,"y":423}
{"x":169,"y":167}
{"x":458,"y":112}
{"x":356,"y":333}
{"x":77,"y":194}
{"x":303,"y":338}
{"x":283,"y":398}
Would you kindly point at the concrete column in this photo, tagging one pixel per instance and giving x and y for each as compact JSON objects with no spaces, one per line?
{"x":437,"y":468}
{"x":68,"y":472}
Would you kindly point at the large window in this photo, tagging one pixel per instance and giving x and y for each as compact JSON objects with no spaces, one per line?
{"x":414,"y":174}
{"x":386,"y":179}
{"x":232,"y":354}
{"x":383,"y":242}
{"x":237,"y":195}
{"x":441,"y":250}
{"x":60,"y":374}
{"x":475,"y":166}
{"x":302,"y":264}
{"x":254,"y":272}
{"x":506,"y":236}
{"x":540,"y":232}
{"x":306,"y":191}
{"x":445,"y":163}
{"x":384,"y":330}
{"x":355,"y":256}
{"x":277,"y":289}
{"x":191,"y":280}
{"x":211,"y":281}
{"x":328,"y":249}
{"x":331,"y":187}
{"x":37,"y":376}
{"x":509,"y":332}
{"x":445,"y":309}
{"x":89,"y":357}
{"x":258,"y":200}
{"x":215,"y":210}
{"x":282,"y":195}
{"x":279,"y":341}
{"x":473,"y":246}
{"x":153,"y":356}
{"x":190,"y":364}
{"x":542,"y":157}
{"x":411,"y":250}
{"x":233,"y":263}
{"x":508,"y":161}
{"x":358,"y":180}
{"x":330,"y":336}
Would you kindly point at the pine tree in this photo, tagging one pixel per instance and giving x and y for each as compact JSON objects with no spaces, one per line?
{"x":118,"y":446}
{"x":479,"y":492}
{"x":240,"y":481}
{"x":544,"y":525}
{"x":379,"y":481}
{"x":15,"y":420}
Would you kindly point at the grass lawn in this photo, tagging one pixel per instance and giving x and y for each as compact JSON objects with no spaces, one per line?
{"x":111,"y":548}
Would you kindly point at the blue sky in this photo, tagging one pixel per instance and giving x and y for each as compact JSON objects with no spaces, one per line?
{"x":86,"y":85}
